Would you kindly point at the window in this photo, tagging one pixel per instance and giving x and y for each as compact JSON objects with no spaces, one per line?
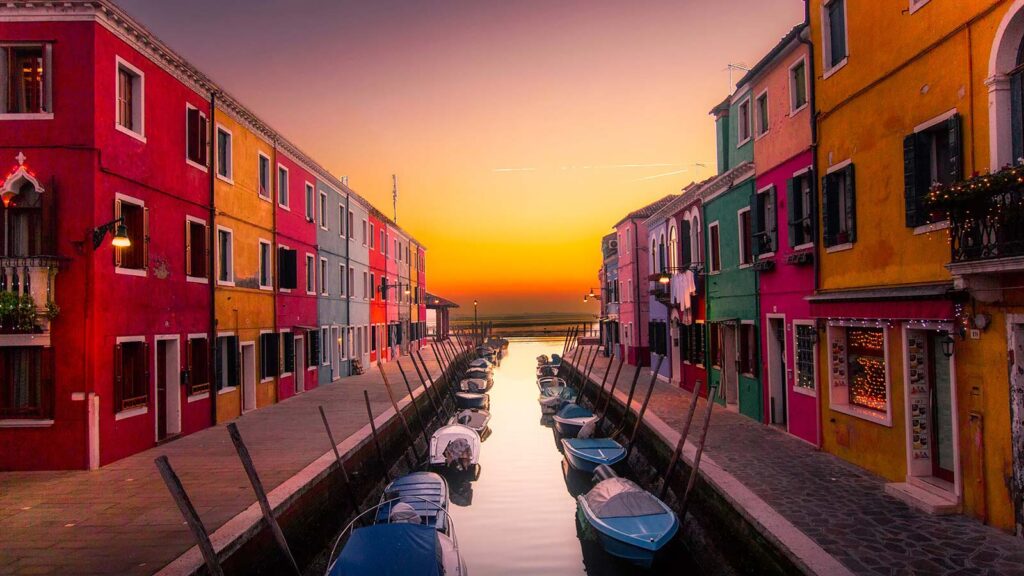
{"x":743,"y":127}
{"x":225,"y":257}
{"x":383,"y":242}
{"x":130,"y":99}
{"x":325,"y":347}
{"x":748,"y":349}
{"x":658,"y":337}
{"x":715,"y":343}
{"x":324,"y":218}
{"x":342,"y":281}
{"x":131,"y":375}
{"x":264,"y":183}
{"x":765,"y":222}
{"x":310,"y":274}
{"x":373,"y":233}
{"x":351,"y":225}
{"x":342,"y":221}
{"x":309,"y":202}
{"x":351,"y":282}
{"x":287,"y":268}
{"x":373,"y":286}
{"x":858,"y":368}
{"x":196,"y":254}
{"x":25,"y":74}
{"x":806,"y":376}
{"x":696,"y":341}
{"x":364,"y":233}
{"x":324,"y":284}
{"x":223,"y":154}
{"x":196,"y":136}
{"x":26,"y":388}
{"x":366,"y":285}
{"x":313,"y":356}
{"x":23,"y":223}
{"x":798,"y":86}
{"x":762,"y":114}
{"x":800,"y":207}
{"x":931,"y":156}
{"x":282,"y":186}
{"x":226,"y":363}
{"x":198,"y":365}
{"x":136,"y":220}
{"x":268,"y":355}
{"x":266,"y":266}
{"x":287,"y":353}
{"x":839,"y":207}
{"x":835,"y":33}
{"x":745,"y":236}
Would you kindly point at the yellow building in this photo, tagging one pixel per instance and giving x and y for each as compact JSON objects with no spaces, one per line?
{"x":909,"y":390}
{"x":247,"y":351}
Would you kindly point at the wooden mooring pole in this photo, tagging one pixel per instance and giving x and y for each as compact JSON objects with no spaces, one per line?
{"x":611,"y":393}
{"x":694,"y":396}
{"x":629,"y":402}
{"x":437,"y":405}
{"x":433,"y":382}
{"x":712,"y":392}
{"x":261,"y":494}
{"x":341,"y":463}
{"x":415,"y":406}
{"x":376,"y":442}
{"x":188,"y":511}
{"x":401,"y":417}
{"x":643,"y":407}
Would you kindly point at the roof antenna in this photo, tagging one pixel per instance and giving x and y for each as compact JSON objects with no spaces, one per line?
{"x":732,"y":67}
{"x":394,"y":196}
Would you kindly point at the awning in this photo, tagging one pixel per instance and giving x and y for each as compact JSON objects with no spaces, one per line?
{"x":917,"y":302}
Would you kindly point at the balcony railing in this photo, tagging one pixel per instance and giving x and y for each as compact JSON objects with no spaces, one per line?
{"x":986,"y":216}
{"x":661,"y":292}
{"x":27,"y":302}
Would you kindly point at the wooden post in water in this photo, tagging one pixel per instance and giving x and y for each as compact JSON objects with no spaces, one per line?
{"x":611,"y":393}
{"x":341,"y":463}
{"x":629,"y":402}
{"x":447,"y":379}
{"x":376,"y":442}
{"x":712,"y":392}
{"x":261,"y":495}
{"x":694,"y":396}
{"x":603,"y":380}
{"x":439,"y":406}
{"x":401,"y":417}
{"x":188,"y":511}
{"x":565,"y":342}
{"x":643,"y":407}
{"x":433,"y":382}
{"x":415,"y":406}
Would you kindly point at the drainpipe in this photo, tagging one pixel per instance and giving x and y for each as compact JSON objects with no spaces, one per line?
{"x":211,"y":234}
{"x":275,"y":194}
{"x":348,"y":267}
{"x":636,"y":276}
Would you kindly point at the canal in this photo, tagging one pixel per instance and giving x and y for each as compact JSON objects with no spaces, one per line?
{"x":519,"y":516}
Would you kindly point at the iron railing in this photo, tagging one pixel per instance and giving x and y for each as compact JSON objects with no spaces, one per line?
{"x":988,"y":227}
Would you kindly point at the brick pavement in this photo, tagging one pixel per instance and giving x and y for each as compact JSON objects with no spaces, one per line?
{"x":120,"y":519}
{"x":841,"y":507}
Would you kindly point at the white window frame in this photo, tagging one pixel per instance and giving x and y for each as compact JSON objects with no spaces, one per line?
{"x":120,"y":63}
{"x":287,"y":187}
{"x":230,"y":176}
{"x":139,"y":411}
{"x":323,"y":273}
{"x":270,"y":261}
{"x":144,"y":271}
{"x":739,"y":237}
{"x":325,"y":349}
{"x":798,"y":173}
{"x":280,"y":352}
{"x":826,"y":46}
{"x":287,"y":290}
{"x":838,"y":397}
{"x":740,"y":140}
{"x":343,"y":215}
{"x":188,"y":277}
{"x":322,"y":206}
{"x":343,"y":287}
{"x":47,"y":81}
{"x":832,"y":170}
{"x":792,"y":83}
{"x":761,"y":131}
{"x":213,"y":377}
{"x":202,"y":114}
{"x":231,"y":256}
{"x":310,"y":279}
{"x":712,"y":269}
{"x":768,"y":190}
{"x":209,"y":349}
{"x":309,"y":190}
{"x":814,"y":355}
{"x":270,"y":176}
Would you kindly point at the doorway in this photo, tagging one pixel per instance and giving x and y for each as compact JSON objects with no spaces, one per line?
{"x":776,"y":342}
{"x":931,"y":409}
{"x":676,"y":348}
{"x":336,"y":342}
{"x":1016,"y":329}
{"x":299,"y":378}
{"x":730,"y":378}
{"x":248,"y":376}
{"x":168,"y":388}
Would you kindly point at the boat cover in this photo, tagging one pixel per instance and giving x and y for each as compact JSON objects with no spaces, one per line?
{"x":618,"y":498}
{"x":473,"y":385}
{"x":556,"y":359}
{"x":574,"y":411}
{"x":402,"y":513}
{"x":475,"y":419}
{"x":390,"y":549}
{"x":480,"y":363}
{"x":459,"y":453}
{"x":543,"y":359}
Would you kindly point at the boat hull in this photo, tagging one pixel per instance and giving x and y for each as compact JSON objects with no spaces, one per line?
{"x":568,"y":428}
{"x":466,"y":400}
{"x":586,"y":456}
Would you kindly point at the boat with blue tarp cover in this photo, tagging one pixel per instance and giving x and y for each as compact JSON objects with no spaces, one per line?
{"x":586,"y":454}
{"x":571,"y":419}
{"x":426,"y":492}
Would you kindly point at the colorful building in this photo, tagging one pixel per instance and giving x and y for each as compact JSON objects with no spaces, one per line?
{"x":783,"y":227}
{"x":608,"y":280}
{"x":332,"y":297}
{"x":359,"y":271}
{"x":378,"y":275}
{"x":660,"y":259}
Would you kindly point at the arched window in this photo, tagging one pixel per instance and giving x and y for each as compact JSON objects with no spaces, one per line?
{"x":1017,"y":104}
{"x":696,"y":239}
{"x":673,"y":248}
{"x":654,"y":256}
{"x":661,"y":253}
{"x":23,"y":222}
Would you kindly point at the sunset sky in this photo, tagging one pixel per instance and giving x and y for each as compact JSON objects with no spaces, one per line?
{"x":520,"y":131}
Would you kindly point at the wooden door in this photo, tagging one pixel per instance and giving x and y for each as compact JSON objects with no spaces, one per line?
{"x":161,"y":389}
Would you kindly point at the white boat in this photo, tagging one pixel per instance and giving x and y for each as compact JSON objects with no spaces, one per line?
{"x":481,"y":363}
{"x":474,"y":418}
{"x":455,"y":446}
{"x":476,"y":385}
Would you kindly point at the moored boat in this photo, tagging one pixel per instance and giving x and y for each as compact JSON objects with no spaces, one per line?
{"x":554,"y":397}
{"x":586,"y":454}
{"x":571,"y":418}
{"x":474,"y":418}
{"x":472,"y":400}
{"x":477,"y":385}
{"x":551,"y":382}
{"x":455,"y":446}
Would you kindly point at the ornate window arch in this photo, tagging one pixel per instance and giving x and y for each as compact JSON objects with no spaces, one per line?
{"x":1005,"y":90}
{"x":673,"y":247}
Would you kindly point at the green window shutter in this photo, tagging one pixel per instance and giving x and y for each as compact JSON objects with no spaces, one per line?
{"x":792,"y":212}
{"x":756,"y":209}
{"x":685,"y":245}
{"x":956,"y":158}
{"x":773,"y":219}
{"x":851,"y":203}
{"x":828,"y":218}
{"x":910,"y":177}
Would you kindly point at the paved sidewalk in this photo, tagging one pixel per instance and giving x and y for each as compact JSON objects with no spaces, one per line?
{"x":120,"y":519}
{"x":841,"y":507}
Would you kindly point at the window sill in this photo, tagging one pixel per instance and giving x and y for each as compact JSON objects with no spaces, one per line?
{"x":227,"y":179}
{"x":125,"y":414}
{"x":25,"y":423}
{"x":761,"y":135}
{"x":129,"y":132}
{"x":267,"y":288}
{"x":796,"y":111}
{"x":745,"y":266}
{"x":285,"y":290}
{"x":875,"y":416}
{"x":227,"y":390}
{"x":229,"y":283}
{"x":310,"y":368}
{"x":283,"y":207}
{"x":271,"y":378}
{"x":264,"y":198}
{"x":805,"y":392}
{"x":766,"y":255}
{"x":915,"y":6}
{"x":196,"y":280}
{"x":198,"y":397}
{"x":933,"y":227}
{"x":141,"y":272}
{"x":839,"y":66}
{"x":741,"y":143}
{"x":196,"y":165}
{"x":27,"y":116}
{"x":839,"y":248}
{"x":802,"y":247}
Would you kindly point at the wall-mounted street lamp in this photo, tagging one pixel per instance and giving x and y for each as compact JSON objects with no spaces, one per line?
{"x":115,"y":227}
{"x":475,"y":305}
{"x":947,"y":346}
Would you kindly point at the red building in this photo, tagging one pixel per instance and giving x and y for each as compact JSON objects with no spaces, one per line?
{"x":378,"y":272}
{"x":94,"y":142}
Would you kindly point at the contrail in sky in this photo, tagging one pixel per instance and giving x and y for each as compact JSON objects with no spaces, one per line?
{"x":662,"y":175}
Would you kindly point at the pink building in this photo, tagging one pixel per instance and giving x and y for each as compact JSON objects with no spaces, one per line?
{"x":634,"y":272}
{"x":783,"y":225}
{"x":297,"y":307}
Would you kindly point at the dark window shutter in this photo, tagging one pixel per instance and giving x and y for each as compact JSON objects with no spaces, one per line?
{"x":287,"y":268}
{"x":232,"y":356}
{"x":204,"y":141}
{"x":145,"y":238}
{"x":756,"y":205}
{"x":851,"y":203}
{"x":828,"y":211}
{"x":773,"y":219}
{"x":685,"y":244}
{"x":910,"y":177}
{"x":956,"y":159}
{"x":118,"y":376}
{"x":194,"y":140}
{"x":1017,"y":114}
{"x":793,"y":213}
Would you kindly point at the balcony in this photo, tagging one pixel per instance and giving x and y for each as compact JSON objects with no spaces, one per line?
{"x":661,"y":292}
{"x":27,"y":304}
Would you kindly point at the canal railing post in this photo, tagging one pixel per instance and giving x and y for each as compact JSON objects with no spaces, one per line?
{"x":188,"y":511}
{"x":376,"y":441}
{"x":415,"y":406}
{"x":694,"y":396}
{"x":712,"y":392}
{"x":643,"y":407}
{"x":401,"y":418}
{"x":261,"y":494}
{"x":629,"y":402}
{"x":611,"y":392}
{"x":341,"y":463}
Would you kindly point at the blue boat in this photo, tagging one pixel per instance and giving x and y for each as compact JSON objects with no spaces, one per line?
{"x":553,"y":398}
{"x":586,"y":454}
{"x":571,"y":419}
{"x":629,"y":521}
{"x":426,"y":492}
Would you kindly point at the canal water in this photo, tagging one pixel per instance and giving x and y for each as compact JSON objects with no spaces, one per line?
{"x":519,"y":516}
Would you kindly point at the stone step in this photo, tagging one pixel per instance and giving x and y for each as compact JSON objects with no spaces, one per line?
{"x":930,"y":501}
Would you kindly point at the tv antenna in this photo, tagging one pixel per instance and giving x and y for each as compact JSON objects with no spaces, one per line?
{"x":730,"y":68}
{"x":394,"y":196}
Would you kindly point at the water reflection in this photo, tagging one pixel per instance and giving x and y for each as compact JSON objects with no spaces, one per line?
{"x":520,"y":516}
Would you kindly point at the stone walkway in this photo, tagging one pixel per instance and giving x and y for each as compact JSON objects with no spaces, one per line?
{"x":841,"y":507}
{"x":121,"y":519}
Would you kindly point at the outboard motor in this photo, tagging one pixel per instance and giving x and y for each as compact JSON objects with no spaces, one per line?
{"x":603,"y":472}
